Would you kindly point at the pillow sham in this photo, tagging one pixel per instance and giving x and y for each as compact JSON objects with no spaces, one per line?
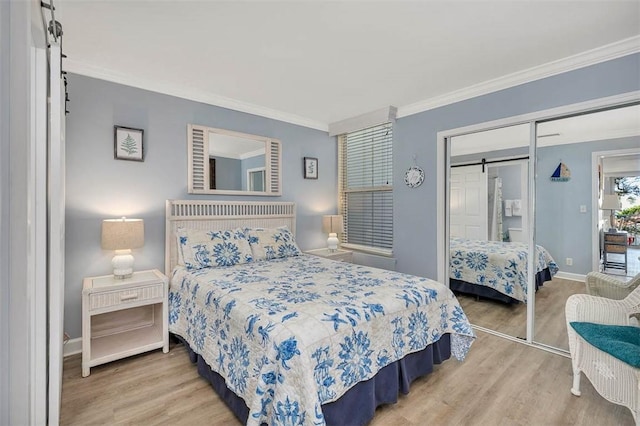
{"x":272,"y":243}
{"x":198,"y":249}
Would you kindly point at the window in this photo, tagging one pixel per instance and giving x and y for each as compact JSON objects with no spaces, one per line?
{"x":365,"y":183}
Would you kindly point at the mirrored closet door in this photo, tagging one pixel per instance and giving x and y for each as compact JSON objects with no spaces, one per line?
{"x":581,"y":161}
{"x":488,"y":226}
{"x":541,"y":186}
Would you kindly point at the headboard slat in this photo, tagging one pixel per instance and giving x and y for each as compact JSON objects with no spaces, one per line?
{"x":221,"y":215}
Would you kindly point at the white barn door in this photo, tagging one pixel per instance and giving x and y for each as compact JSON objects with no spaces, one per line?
{"x":469,"y":203}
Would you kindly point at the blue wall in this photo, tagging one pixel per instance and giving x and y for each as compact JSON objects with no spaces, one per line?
{"x":415,"y":209}
{"x":560,"y":227}
{"x":100,"y":187}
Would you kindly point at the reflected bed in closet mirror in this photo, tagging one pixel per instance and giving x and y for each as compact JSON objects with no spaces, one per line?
{"x":496,"y":270}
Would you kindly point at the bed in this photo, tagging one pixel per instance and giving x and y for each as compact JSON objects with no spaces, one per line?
{"x":294,"y":338}
{"x":496,"y":270}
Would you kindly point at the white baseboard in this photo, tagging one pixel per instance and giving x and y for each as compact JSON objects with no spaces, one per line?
{"x":572,"y":277}
{"x":72,"y":347}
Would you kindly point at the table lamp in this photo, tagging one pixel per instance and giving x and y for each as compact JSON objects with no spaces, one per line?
{"x":611,"y":202}
{"x":332,"y":224}
{"x":122,"y":235}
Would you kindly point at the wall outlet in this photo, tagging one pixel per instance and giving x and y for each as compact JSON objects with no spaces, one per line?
{"x":583,"y":209}
{"x":569,"y":261}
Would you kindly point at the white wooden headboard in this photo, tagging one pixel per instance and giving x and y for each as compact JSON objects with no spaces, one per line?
{"x":221,"y":215}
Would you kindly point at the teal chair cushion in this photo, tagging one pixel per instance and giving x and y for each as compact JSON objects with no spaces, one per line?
{"x":619,"y":341}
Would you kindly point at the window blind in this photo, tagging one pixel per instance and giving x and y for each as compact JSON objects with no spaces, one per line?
{"x":366,"y":196}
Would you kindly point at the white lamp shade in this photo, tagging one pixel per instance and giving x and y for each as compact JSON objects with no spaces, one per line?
{"x":610,"y":202}
{"x":332,"y":224}
{"x":122,"y":234}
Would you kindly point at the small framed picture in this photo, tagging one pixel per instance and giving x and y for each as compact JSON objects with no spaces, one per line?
{"x":310,"y":168}
{"x":127,"y":144}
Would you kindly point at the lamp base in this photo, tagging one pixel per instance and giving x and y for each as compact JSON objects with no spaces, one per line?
{"x":332,"y":242}
{"x":122,"y":264}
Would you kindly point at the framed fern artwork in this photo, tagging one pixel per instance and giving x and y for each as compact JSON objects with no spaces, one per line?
{"x":127,"y":144}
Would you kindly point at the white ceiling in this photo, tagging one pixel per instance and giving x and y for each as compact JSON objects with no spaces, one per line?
{"x":316,"y":62}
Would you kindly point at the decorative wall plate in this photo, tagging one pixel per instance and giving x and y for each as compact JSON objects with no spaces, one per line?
{"x":414,"y":177}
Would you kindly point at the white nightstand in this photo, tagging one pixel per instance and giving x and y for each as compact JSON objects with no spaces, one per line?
{"x":339,"y":254}
{"x":123,"y":317}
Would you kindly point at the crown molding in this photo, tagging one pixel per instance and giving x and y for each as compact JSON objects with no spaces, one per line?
{"x":78,"y":67}
{"x":590,"y":57}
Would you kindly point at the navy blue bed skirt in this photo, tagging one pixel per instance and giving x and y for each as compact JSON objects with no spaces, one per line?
{"x":458,"y":286}
{"x":358,"y":405}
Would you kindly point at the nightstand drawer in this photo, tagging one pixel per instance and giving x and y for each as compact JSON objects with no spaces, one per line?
{"x":613,"y":238}
{"x":612,"y":248}
{"x":120,"y":297}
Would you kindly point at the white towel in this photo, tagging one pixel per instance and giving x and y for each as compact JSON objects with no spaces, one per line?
{"x":516,"y":208}
{"x":508,"y":207}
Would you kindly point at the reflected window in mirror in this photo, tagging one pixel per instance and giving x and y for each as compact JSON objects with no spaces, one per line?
{"x":233,"y":163}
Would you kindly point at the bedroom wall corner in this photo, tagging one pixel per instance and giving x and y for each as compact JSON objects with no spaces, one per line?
{"x":100,"y":187}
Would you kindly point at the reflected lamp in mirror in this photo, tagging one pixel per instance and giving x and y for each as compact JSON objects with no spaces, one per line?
{"x":611,"y":202}
{"x":332,"y":224}
{"x":122,"y":235}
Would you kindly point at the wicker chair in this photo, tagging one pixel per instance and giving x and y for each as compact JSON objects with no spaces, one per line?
{"x":615,"y":380}
{"x":602,"y":285}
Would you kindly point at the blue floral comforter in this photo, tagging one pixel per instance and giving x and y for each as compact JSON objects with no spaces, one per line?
{"x":501,"y":266}
{"x":291,"y":334}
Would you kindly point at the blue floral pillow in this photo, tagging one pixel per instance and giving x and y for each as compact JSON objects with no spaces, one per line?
{"x":272,"y":243}
{"x":210,"y":249}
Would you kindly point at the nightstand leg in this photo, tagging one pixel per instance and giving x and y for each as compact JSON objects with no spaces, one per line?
{"x":85,"y":371}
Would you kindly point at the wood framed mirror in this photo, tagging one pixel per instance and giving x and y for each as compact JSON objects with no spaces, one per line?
{"x":233,"y":163}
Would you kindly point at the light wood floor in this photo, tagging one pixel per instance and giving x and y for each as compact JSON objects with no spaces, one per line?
{"x":550,"y":323}
{"x":500,"y":383}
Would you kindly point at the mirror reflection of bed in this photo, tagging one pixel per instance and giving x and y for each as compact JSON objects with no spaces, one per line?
{"x":488,"y":215}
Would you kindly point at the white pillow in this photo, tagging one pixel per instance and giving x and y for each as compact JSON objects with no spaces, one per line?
{"x":199,"y":249}
{"x":272,"y":243}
